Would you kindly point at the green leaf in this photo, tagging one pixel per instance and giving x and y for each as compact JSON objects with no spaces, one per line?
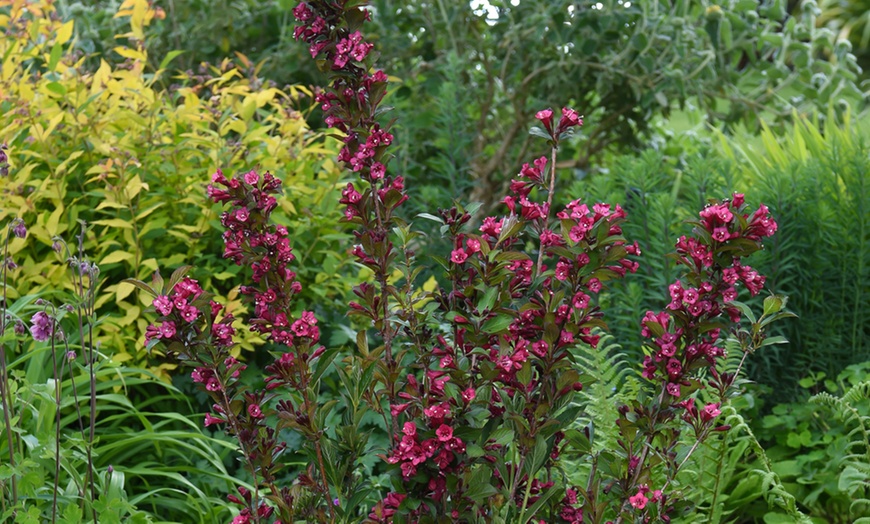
{"x":141,"y":285}
{"x":532,"y":510}
{"x":479,"y":485}
{"x":433,"y":218}
{"x":56,"y":88}
{"x":488,"y":299}
{"x":323,"y":363}
{"x":497,"y":324}
{"x":170,"y":56}
{"x":54,"y":58}
{"x":537,"y":131}
{"x":774,"y":340}
{"x":772,"y":304}
{"x":502,"y":436}
{"x":746,"y":310}
{"x":539,"y":455}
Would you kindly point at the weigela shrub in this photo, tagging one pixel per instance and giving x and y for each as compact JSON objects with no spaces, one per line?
{"x":474,"y":381}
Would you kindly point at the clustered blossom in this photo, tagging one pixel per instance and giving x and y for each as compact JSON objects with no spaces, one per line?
{"x":182,"y":313}
{"x":569,"y":119}
{"x":680,"y":345}
{"x":251,"y":239}
{"x":687,"y":336}
{"x":441,"y":449}
{"x":350,"y":105}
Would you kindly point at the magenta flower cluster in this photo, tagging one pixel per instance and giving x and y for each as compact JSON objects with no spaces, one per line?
{"x":685,"y":336}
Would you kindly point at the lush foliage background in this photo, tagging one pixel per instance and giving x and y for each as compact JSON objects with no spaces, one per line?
{"x":683,"y":101}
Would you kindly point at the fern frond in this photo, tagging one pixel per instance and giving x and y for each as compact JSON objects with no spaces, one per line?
{"x":615,"y":384}
{"x":772,"y":489}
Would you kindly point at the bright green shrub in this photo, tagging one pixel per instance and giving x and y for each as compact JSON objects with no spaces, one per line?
{"x":113,"y":148}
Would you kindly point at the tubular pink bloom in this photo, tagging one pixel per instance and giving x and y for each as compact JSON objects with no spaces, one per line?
{"x":458,"y":256}
{"x":209,"y":420}
{"x":546,"y":118}
{"x":570,"y":118}
{"x":710,"y":412}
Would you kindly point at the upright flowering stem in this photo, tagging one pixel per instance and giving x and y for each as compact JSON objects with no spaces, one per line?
{"x":351,"y":105}
{"x":549,"y":201}
{"x":85,"y":313}
{"x":15,"y":228}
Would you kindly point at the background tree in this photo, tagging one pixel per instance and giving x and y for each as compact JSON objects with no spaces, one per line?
{"x":473,"y":70}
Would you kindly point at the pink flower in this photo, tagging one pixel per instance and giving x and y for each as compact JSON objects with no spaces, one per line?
{"x":444,"y":433}
{"x":458,"y":256}
{"x":638,"y":501}
{"x":720,"y":234}
{"x":163,"y":305}
{"x":209,"y":420}
{"x":251,"y":178}
{"x":189,"y":313}
{"x":254,"y":411}
{"x":594,"y":285}
{"x":167,"y":330}
{"x":43,"y":326}
{"x":563,"y":269}
{"x":546,"y":118}
{"x":710,"y":412}
{"x":408,"y":470}
{"x":581,"y":300}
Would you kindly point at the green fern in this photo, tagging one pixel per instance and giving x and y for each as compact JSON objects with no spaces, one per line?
{"x":855,"y":466}
{"x":771,"y":487}
{"x":614,"y":382}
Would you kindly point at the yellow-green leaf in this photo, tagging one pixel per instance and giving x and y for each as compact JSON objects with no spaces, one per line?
{"x":116,"y":256}
{"x":113,"y":222}
{"x":64,"y":33}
